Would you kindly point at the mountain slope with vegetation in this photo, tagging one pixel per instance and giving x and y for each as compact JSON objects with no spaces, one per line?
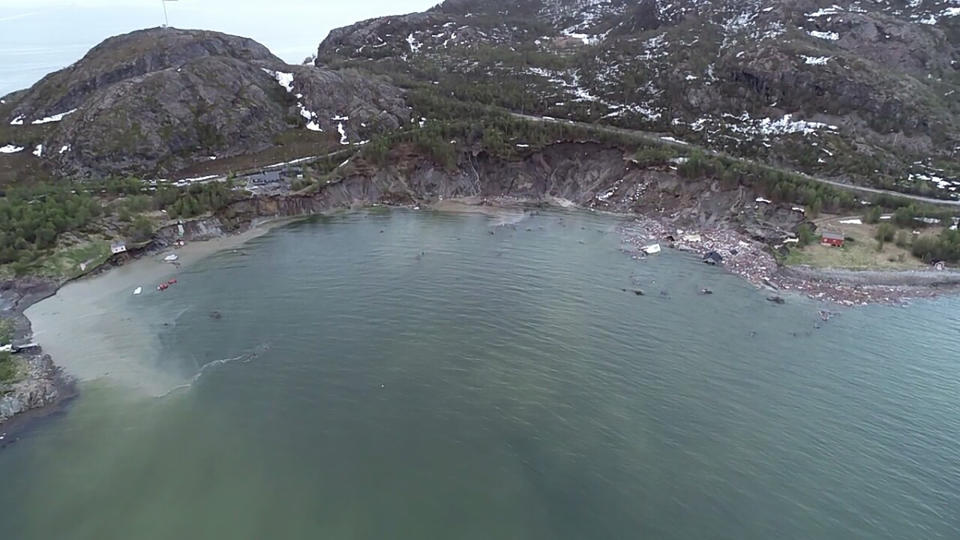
{"x":156,"y":101}
{"x":864,"y":92}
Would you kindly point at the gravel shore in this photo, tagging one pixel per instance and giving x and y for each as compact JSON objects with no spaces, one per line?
{"x":753,"y":261}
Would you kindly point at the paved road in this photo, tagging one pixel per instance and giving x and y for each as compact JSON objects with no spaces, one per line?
{"x":664,"y":139}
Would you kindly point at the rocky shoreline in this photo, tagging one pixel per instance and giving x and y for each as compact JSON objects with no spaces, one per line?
{"x":41,"y":384}
{"x":45,"y":385}
{"x":752,"y":261}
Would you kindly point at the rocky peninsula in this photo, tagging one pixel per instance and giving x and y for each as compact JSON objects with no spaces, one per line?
{"x":38,"y":383}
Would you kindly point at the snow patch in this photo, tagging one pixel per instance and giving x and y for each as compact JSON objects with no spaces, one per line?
{"x":783,"y":126}
{"x":829,"y":36}
{"x":286,"y":81}
{"x":38,"y":151}
{"x":54,"y":118}
{"x":10,"y":149}
{"x":941,"y":182}
{"x":414,"y":44}
{"x":832,"y":10}
{"x":815,"y":60}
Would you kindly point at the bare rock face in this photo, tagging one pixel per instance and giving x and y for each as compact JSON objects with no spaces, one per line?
{"x":367,"y":37}
{"x":43,"y":385}
{"x":39,"y":383}
{"x":127,"y":57}
{"x":156,"y":101}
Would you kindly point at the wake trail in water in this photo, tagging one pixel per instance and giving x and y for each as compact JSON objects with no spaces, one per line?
{"x":245,"y":358}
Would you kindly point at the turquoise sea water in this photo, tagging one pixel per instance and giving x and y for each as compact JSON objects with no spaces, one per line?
{"x":410,"y":375}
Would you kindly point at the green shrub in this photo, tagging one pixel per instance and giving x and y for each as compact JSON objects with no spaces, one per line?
{"x":872,"y":216}
{"x":649,"y":156}
{"x":902,"y":239}
{"x":805,"y":235}
{"x":885,"y":232}
{"x":6,"y":331}
{"x":141,"y":229}
{"x":946,"y":247}
{"x":8,"y":369}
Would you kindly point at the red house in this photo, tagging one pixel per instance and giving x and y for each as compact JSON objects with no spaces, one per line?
{"x":832,"y":239}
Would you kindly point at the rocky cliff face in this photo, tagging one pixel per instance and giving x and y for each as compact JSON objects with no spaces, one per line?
{"x":587,"y":175}
{"x":848,"y":89}
{"x":155,"y":101}
{"x":43,"y":385}
{"x":40,"y":383}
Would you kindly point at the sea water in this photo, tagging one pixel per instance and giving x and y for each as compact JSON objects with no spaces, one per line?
{"x":395,"y":374}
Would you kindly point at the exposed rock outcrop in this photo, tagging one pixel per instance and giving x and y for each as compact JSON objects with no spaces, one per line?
{"x":39,"y":382}
{"x":588,"y":175}
{"x":155,"y":101}
{"x":43,"y":384}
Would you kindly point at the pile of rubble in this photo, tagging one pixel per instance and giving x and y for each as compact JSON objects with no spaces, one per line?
{"x":854,"y":295}
{"x":753,"y":261}
{"x":740,"y":255}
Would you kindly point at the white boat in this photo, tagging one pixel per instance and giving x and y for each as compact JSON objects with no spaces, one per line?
{"x":171,"y":258}
{"x":652,"y":249}
{"x":138,"y":291}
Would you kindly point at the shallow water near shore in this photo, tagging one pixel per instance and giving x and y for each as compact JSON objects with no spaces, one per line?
{"x":393,"y":374}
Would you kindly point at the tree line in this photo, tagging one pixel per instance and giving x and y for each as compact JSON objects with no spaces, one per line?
{"x":33,"y":218}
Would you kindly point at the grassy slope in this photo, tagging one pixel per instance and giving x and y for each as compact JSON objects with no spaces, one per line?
{"x":860,"y":251}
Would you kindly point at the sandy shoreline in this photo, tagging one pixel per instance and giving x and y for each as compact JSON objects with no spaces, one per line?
{"x":59,"y":381}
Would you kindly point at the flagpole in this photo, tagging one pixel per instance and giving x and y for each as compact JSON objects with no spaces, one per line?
{"x":166,"y":20}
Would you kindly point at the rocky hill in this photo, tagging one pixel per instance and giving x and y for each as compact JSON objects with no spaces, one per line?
{"x":155,"y":101}
{"x":861,"y":91}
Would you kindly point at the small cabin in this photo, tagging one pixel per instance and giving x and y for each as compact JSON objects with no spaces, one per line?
{"x":833,"y":239}
{"x":118,"y":247}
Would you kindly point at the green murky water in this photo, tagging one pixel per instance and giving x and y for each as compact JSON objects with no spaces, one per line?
{"x":410,"y":375}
